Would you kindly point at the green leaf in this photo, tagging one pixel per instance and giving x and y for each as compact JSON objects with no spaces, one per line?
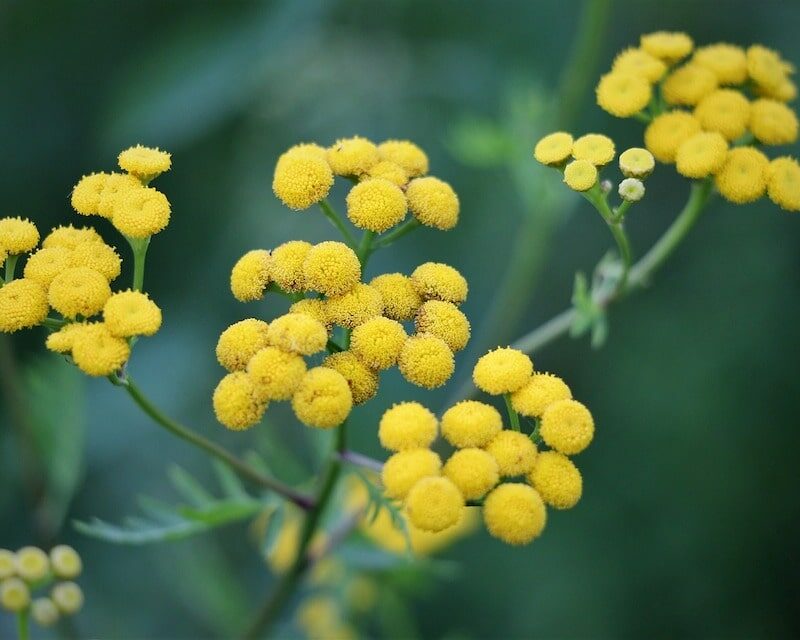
{"x":377,"y":501}
{"x":189,"y":488}
{"x":480,"y":142}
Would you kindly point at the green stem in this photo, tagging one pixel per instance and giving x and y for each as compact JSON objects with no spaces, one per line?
{"x":337,"y":221}
{"x":54,"y":323}
{"x":139,"y":247}
{"x":11,"y":267}
{"x":365,"y":247}
{"x":22,"y":625}
{"x":398,"y":232}
{"x":213,"y":449}
{"x":624,"y":246}
{"x":513,"y":416}
{"x":622,"y":210}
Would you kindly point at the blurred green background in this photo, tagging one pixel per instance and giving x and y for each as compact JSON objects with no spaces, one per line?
{"x":690,"y":519}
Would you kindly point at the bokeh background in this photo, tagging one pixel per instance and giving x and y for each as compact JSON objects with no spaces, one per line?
{"x":690,"y":519}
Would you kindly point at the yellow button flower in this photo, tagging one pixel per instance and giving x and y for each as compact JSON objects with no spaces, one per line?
{"x":728,"y":62}
{"x":302,"y":178}
{"x":470,"y":423}
{"x":355,"y":307}
{"x":503,"y":370}
{"x":640,"y":63}
{"x":406,"y":154}
{"x":594,"y":147}
{"x":623,"y":94}
{"x":444,"y":320}
{"x":98,"y":256}
{"x":23,"y":304}
{"x":18,"y":235}
{"x":69,"y":237}
{"x":297,"y":333}
{"x":407,"y":425}
{"x":701,"y":155}
{"x":783,"y":186}
{"x":353,"y":156}
{"x":32,"y":564}
{"x":240,"y":342}
{"x":636,"y":163}
{"x":98,"y":353}
{"x":426,"y":361}
{"x":435,"y":504}
{"x":87,"y":193}
{"x":323,"y":399}
{"x":580,"y":175}
{"x":14,"y":595}
{"x":541,"y":390}
{"x":743,"y":177}
{"x":46,"y":264}
{"x":474,"y":471}
{"x":8,"y":564}
{"x":131,"y":313}
{"x":400,"y":297}
{"x":725,"y":111}
{"x":378,"y":342}
{"x":554,"y":148}
{"x":407,"y":467}
{"x":689,"y":84}
{"x":276,"y":374}
{"x":669,"y":46}
{"x":68,"y":597}
{"x":141,"y":213}
{"x":390,"y":171}
{"x":433,"y":202}
{"x":331,"y":268}
{"x":65,"y":561}
{"x":236,"y":403}
{"x":251,"y":275}
{"x":144,"y":162}
{"x":79,"y":291}
{"x":514,"y":513}
{"x":436,"y":281}
{"x":44,"y":612}
{"x":287,"y":265}
{"x":557,"y":480}
{"x":376,"y":204}
{"x":667,"y":132}
{"x":772,"y":122}
{"x":362,"y":380}
{"x":61,"y":341}
{"x":116,"y":188}
{"x":313,"y":307}
{"x":514,"y":452}
{"x":766,"y":67}
{"x":567,"y":426}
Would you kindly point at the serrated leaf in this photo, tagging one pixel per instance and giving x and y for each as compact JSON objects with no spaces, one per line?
{"x":189,"y":488}
{"x":377,"y":502}
{"x":229,"y":481}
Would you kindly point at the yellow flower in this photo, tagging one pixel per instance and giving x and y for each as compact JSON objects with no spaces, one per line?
{"x":96,"y":352}
{"x":728,"y":62}
{"x":297,"y":333}
{"x":353,"y":156}
{"x":236,"y":404}
{"x":433,"y":202}
{"x":407,"y":467}
{"x":436,"y":281}
{"x":766,"y":68}
{"x":667,"y":132}
{"x":580,"y":175}
{"x":131,"y":313}
{"x":98,"y":256}
{"x":783,"y":186}
{"x":61,"y":341}
{"x":407,"y":425}
{"x":69,"y":237}
{"x":323,"y":399}
{"x":331,"y":268}
{"x":726,"y":111}
{"x":14,"y":595}
{"x":514,"y":452}
{"x":639,"y":63}
{"x":556,"y":479}
{"x":302,"y":178}
{"x":470,"y":423}
{"x":473,"y":471}
{"x":376,"y":204}
{"x":386,"y":170}
{"x":623,"y":94}
{"x":87,"y":193}
{"x":406,"y":154}
{"x":287,"y":265}
{"x":23,"y":304}
{"x":68,"y":597}
{"x":426,"y":361}
{"x":251,"y":275}
{"x":18,"y":235}
{"x":32,"y":564}
{"x":689,"y":84}
{"x":8,"y":564}
{"x":44,"y":612}
{"x":435,"y":504}
{"x":669,"y":46}
{"x":144,"y":162}
{"x":594,"y":147}
{"x":240,"y":342}
{"x":503,"y":370}
{"x":636,"y":163}
{"x":701,"y":155}
{"x":785,"y":92}
{"x":378,"y":342}
{"x":554,"y":148}
{"x":78,"y":291}
{"x":400,"y":297}
{"x":313,"y":307}
{"x":444,"y":320}
{"x":355,"y":307}
{"x":141,"y":213}
{"x":65,"y":561}
{"x":116,"y":187}
{"x":46,"y":264}
{"x":541,"y":390}
{"x":276,"y":374}
{"x":362,"y":380}
{"x":772,"y":122}
{"x":567,"y":426}
{"x":514,"y":513}
{"x":631,"y":189}
{"x":743,"y":177}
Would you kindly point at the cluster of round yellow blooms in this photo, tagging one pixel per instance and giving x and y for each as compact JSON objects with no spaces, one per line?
{"x":31,"y":569}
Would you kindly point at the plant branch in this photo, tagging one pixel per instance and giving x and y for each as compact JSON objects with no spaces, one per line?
{"x":398,"y":232}
{"x":337,"y":221}
{"x":360,"y":460}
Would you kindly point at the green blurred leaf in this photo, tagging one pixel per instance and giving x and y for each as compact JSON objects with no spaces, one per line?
{"x":480,"y":142}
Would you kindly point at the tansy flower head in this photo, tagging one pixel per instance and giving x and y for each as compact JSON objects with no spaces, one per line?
{"x":18,"y":235}
{"x":331,"y":268}
{"x":772,"y":122}
{"x":567,"y":426}
{"x":314,"y":307}
{"x":406,"y":154}
{"x":115,"y":187}
{"x":623,"y":94}
{"x":726,"y":111}
{"x":131,"y":313}
{"x":667,"y":132}
{"x":426,"y":361}
{"x":69,"y":237}
{"x":434,"y":504}
{"x":323,"y":399}
{"x":240,"y":342}
{"x":557,"y":480}
{"x":433,"y":202}
{"x":743,"y":177}
{"x":378,"y":342}
{"x":98,"y":353}
{"x":473,"y":471}
{"x":640,"y":63}
{"x":689,"y":84}
{"x":400,"y":298}
{"x":376,"y":204}
{"x":390,"y":171}
{"x":594,"y":147}
{"x":728,"y":62}
{"x":362,"y":380}
{"x":355,"y":307}
{"x":297,"y":333}
{"x":65,"y":561}
{"x":636,"y":163}
{"x":302,"y":178}
{"x":407,"y":425}
{"x":14,"y":595}
{"x":783,"y":185}
{"x":7,"y":564}
{"x":44,"y":612}
{"x":701,"y":155}
{"x":436,"y":281}
{"x":553,"y":149}
{"x":276,"y":374}
{"x":669,"y":46}
{"x":503,"y":370}
{"x":287,"y":265}
{"x":78,"y":291}
{"x":61,"y":341}
{"x":251,"y":275}
{"x":541,"y":390}
{"x":144,"y":162}
{"x":514,"y":513}
{"x":353,"y":156}
{"x":580,"y":175}
{"x":86,"y":194}
{"x":141,"y":213}
{"x":32,"y":564}
{"x":444,"y":320}
{"x":766,"y":68}
{"x":98,"y":256}
{"x":407,"y":467}
{"x":631,"y":189}
{"x":470,"y":423}
{"x":236,"y":403}
{"x":23,"y":304}
{"x":785,"y":92}
{"x":68,"y":597}
{"x":514,"y":452}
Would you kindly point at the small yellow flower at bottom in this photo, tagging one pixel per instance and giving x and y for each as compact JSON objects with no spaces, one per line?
{"x":567,"y":426}
{"x":594,"y":147}
{"x":504,"y":370}
{"x":353,"y":156}
{"x":471,"y":423}
{"x":406,"y":154}
{"x":287,"y":265}
{"x":541,"y":390}
{"x":131,"y":313}
{"x":44,"y":265}
{"x":514,"y":513}
{"x":15,"y":596}
{"x":376,"y":204}
{"x":240,"y":342}
{"x":433,"y":202}
{"x":554,"y":148}
{"x":743,"y":177}
{"x":68,"y":597}
{"x":251,"y":275}
{"x":437,"y":281}
{"x":514,"y":452}
{"x":331,"y":268}
{"x":725,"y":111}
{"x":236,"y":404}
{"x":323,"y":399}
{"x":557,"y":480}
{"x":355,"y":307}
{"x":580,"y":175}
{"x":378,"y":342}
{"x":276,"y":374}
{"x":407,"y":425}
{"x":407,"y":467}
{"x":362,"y":380}
{"x":297,"y":333}
{"x":701,"y":155}
{"x":44,"y":612}
{"x":96,"y":352}
{"x":636,"y":163}
{"x":79,"y":291}
{"x":426,"y":361}
{"x":23,"y":304}
{"x":473,"y":471}
{"x":32,"y":564}
{"x":434,"y":504}
{"x":783,"y":186}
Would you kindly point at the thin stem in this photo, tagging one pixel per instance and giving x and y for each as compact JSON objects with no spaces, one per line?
{"x":398,"y":232}
{"x":624,"y":246}
{"x":22,"y":625}
{"x":11,"y":267}
{"x":622,"y":210}
{"x":360,"y":460}
{"x":513,"y":416}
{"x":337,"y":221}
{"x":365,"y":247}
{"x":139,"y":247}
{"x":213,"y":449}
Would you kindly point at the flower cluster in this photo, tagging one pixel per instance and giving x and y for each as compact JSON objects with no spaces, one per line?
{"x":487,"y":456}
{"x":31,"y":569}
{"x":709,"y":110}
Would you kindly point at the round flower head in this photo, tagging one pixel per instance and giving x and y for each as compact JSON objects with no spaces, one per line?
{"x":287,"y":265}
{"x":436,"y":281}
{"x":323,"y":399}
{"x":131,"y":313}
{"x":61,"y":341}
{"x":743,"y":177}
{"x":141,"y":213}
{"x":470,"y":423}
{"x":98,"y":256}
{"x":86,"y":194}
{"x":701,"y":155}
{"x":426,"y":361}
{"x":68,"y":597}
{"x":98,"y":353}
{"x":669,"y":46}
{"x":636,"y":163}
{"x":115,"y":188}
{"x":302,"y":178}
{"x":32,"y":564}
{"x":503,"y":370}
{"x":362,"y":380}
{"x":667,"y":132}
{"x":18,"y":235}
{"x":514,"y":513}
{"x":355,"y":307}
{"x":390,"y":171}
{"x":69,"y":237}
{"x":8,"y":564}
{"x":314,"y":308}
{"x":473,"y":471}
{"x":144,"y":162}
{"x":786,"y":92}
{"x":23,"y":304}
{"x":236,"y":403}
{"x":353,"y":156}
{"x":766,"y":67}
{"x":580,"y":175}
{"x":15,"y":596}
{"x":276,"y":374}
{"x":726,"y":111}
{"x":407,"y":425}
{"x":251,"y":275}
{"x":514,"y":452}
{"x":44,"y":612}
{"x":623,"y":94}
{"x":65,"y":561}
{"x":557,"y":480}
{"x":726,"y":61}
{"x":378,"y":342}
{"x":594,"y":147}
{"x":444,"y":320}
{"x":376,"y":204}
{"x":631,"y":189}
{"x":567,"y":426}
{"x":554,"y":149}
{"x":46,"y":264}
{"x":433,"y":202}
{"x":772,"y":122}
{"x":405,"y":468}
{"x":240,"y":342}
{"x":400,"y":297}
{"x":434,"y":504}
{"x":331,"y":268}
{"x":78,"y":291}
{"x":689,"y":84}
{"x":297,"y":333}
{"x":783,"y":185}
{"x":541,"y":390}
{"x":406,"y":154}
{"x":640,"y":63}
